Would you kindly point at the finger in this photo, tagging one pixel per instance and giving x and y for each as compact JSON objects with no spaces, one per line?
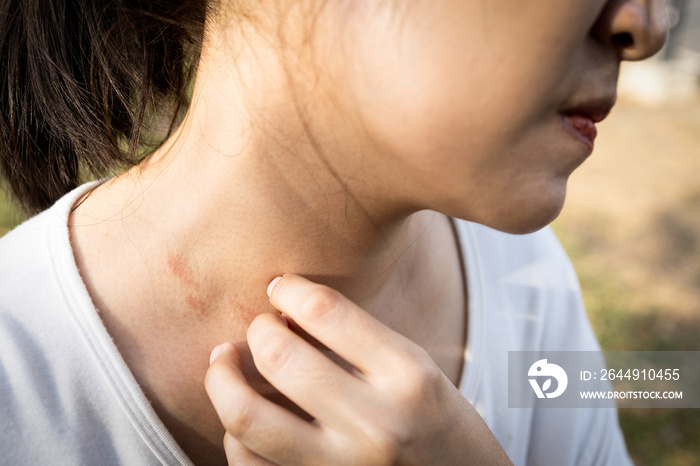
{"x":303,"y":374}
{"x":237,"y":454}
{"x":261,"y":426}
{"x":339,"y":324}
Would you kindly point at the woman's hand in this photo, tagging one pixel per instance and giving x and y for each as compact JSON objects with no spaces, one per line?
{"x":393,"y":407}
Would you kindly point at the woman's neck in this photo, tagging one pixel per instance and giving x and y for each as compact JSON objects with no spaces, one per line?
{"x":177,"y":252}
{"x":243,"y":192}
{"x":213,"y":229}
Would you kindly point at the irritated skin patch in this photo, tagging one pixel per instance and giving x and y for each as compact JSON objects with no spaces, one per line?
{"x":191,"y":287}
{"x":244,"y":313}
{"x":182,"y":271}
{"x":196,"y":299}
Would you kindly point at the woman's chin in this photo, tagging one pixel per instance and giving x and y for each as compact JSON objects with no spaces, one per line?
{"x":513,"y":209}
{"x":529,"y":218}
{"x":522,"y":216}
{"x":527,"y":225}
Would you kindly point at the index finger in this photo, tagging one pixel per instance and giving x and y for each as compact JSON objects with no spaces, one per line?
{"x":338,"y":323}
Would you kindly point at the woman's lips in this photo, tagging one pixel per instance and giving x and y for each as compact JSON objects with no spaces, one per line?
{"x":582,"y":127}
{"x":580,"y":119}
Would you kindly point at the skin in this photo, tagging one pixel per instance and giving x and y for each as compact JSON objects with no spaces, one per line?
{"x":334,"y":152}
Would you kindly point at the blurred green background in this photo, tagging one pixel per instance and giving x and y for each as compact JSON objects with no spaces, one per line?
{"x":631,"y":225}
{"x":9,"y":216}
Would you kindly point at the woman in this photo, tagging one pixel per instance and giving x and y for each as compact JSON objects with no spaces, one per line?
{"x":332,"y":140}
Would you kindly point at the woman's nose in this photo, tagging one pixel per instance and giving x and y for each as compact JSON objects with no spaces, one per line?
{"x":636,"y":28}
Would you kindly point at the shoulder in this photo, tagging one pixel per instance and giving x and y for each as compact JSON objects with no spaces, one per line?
{"x":32,"y":332}
{"x":22,"y":243}
{"x":35,"y":264}
{"x":25,"y":264}
{"x":29,"y":295}
{"x":37,"y":272}
{"x":30,"y":250}
{"x":61,"y":378}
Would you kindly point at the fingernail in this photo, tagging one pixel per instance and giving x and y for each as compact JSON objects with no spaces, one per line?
{"x":272,"y":285}
{"x":216,"y":352}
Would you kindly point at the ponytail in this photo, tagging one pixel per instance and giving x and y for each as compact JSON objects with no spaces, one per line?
{"x":79,"y":78}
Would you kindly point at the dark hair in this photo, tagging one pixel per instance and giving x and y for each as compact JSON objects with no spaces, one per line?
{"x":79,"y":79}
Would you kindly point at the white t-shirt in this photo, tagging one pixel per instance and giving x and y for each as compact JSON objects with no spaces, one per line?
{"x":68,"y":398}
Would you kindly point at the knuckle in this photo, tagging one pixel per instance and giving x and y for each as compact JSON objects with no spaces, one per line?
{"x":420,"y":378}
{"x":238,"y":454}
{"x":323,"y":304}
{"x":274,"y":352}
{"x":386,"y":449}
{"x":380,"y":447}
{"x":387,"y":435}
{"x":238,"y":416}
